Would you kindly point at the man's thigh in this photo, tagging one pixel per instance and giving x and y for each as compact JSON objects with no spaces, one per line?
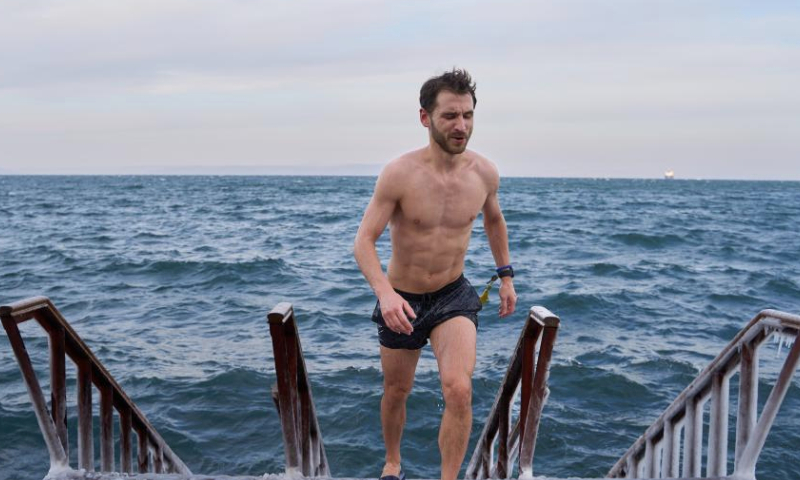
{"x":399,"y":366}
{"x":453,"y":343}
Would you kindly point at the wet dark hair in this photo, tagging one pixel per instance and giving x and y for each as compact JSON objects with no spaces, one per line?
{"x":456,"y":81}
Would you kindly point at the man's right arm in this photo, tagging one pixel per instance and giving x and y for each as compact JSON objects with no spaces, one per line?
{"x":394,"y":309}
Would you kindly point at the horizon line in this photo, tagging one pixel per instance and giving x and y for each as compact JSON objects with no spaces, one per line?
{"x":176,"y":174}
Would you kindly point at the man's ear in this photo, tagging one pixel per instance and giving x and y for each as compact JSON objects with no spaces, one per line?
{"x":424,"y":118}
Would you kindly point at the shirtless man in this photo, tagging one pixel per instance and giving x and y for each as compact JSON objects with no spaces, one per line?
{"x":431,"y":197}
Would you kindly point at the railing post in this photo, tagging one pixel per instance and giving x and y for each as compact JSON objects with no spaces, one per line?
{"x":752,"y":450}
{"x":539,"y":391}
{"x":286,"y":372}
{"x":524,"y":367}
{"x":302,"y":439}
{"x":57,"y":455}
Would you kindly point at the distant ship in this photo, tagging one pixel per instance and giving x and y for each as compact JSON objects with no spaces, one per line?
{"x":669,"y":175}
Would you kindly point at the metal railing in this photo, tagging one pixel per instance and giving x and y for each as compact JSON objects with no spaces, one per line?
{"x":302,"y":438}
{"x":656,"y":454}
{"x":540,"y":329}
{"x":153,"y":453}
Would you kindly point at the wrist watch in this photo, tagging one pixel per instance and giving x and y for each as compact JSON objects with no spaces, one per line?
{"x":505,"y":271}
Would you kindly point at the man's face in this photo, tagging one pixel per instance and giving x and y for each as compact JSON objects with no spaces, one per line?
{"x":451,"y":121}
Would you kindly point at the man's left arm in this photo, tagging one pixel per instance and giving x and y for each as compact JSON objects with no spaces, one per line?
{"x":495,"y":226}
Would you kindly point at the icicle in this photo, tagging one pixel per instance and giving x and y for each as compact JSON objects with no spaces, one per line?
{"x":782,"y":338}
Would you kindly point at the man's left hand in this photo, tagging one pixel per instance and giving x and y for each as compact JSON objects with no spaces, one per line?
{"x":508,"y":297}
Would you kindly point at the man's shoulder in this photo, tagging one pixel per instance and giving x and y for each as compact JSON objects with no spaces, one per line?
{"x":394,"y":176}
{"x":484,"y":167}
{"x":402,"y":165}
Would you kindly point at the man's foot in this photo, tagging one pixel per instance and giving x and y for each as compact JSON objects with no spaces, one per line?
{"x":392,"y":472}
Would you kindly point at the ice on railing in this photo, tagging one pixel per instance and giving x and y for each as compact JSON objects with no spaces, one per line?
{"x":526,"y":474}
{"x":782,"y":338}
{"x":59,"y":469}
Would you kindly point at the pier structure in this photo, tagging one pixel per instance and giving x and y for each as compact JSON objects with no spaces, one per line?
{"x":671,"y":448}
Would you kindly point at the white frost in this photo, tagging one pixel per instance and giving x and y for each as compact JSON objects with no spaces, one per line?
{"x":526,"y":474}
{"x":60,"y":470}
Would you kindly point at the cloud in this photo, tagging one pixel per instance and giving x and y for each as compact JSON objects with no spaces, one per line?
{"x":172,"y":82}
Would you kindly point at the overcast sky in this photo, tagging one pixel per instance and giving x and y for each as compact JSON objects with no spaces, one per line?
{"x":565,"y":88}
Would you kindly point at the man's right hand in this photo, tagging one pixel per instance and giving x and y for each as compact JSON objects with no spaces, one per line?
{"x":396,"y":312}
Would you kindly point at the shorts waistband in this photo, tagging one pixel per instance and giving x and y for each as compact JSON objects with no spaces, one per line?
{"x":444,"y":290}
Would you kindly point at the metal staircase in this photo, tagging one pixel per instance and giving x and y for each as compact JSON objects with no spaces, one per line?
{"x":153,"y":454}
{"x":656,"y":454}
{"x":671,"y":448}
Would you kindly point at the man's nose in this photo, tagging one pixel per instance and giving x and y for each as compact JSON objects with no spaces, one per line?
{"x":461,"y":124}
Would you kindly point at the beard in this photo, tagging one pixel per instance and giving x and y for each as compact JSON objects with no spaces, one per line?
{"x":441,"y":140}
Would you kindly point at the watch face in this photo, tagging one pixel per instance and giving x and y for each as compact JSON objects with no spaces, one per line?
{"x":506,"y":272}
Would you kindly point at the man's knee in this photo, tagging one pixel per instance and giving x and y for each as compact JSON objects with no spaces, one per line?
{"x":458,"y":393}
{"x":396,"y":391}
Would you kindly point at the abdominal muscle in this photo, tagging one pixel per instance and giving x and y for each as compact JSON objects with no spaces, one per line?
{"x":425,"y":260}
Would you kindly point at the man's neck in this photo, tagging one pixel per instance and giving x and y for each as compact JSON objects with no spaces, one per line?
{"x":440,"y":160}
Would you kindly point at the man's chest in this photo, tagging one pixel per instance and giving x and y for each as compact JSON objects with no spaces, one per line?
{"x":449,"y":204}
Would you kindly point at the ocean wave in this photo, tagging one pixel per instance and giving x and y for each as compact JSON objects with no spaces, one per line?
{"x":649,"y":241}
{"x":650,"y":280}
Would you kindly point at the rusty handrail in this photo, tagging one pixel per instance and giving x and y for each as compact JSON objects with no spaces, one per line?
{"x":656,"y":454}
{"x":153,"y":452}
{"x":302,"y":438}
{"x":540,"y":329}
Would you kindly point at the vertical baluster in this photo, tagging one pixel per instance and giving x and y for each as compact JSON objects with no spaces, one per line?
{"x":58,"y":384}
{"x":504,"y":414}
{"x":158,"y":459}
{"x":748,"y":399}
{"x":316,"y":461}
{"x":143,"y":454}
{"x":649,"y":458}
{"x":125,"y":447}
{"x":106,"y":428}
{"x":718,"y":428}
{"x":633,"y":466}
{"x":697,"y":446}
{"x":669,"y":454}
{"x":85,"y":434}
{"x":691,"y":453}
{"x":305,"y":414}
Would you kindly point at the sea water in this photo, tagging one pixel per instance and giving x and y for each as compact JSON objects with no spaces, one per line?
{"x":169,"y":279}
